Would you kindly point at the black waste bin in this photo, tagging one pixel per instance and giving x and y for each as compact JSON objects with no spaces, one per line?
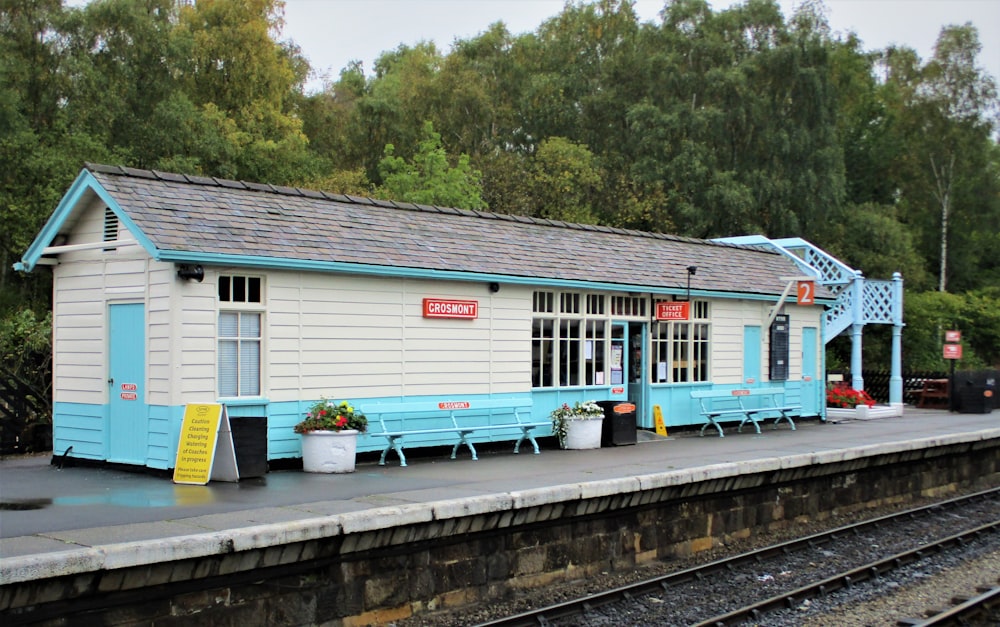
{"x":619,"y":423}
{"x":250,"y":445}
{"x":975,"y":399}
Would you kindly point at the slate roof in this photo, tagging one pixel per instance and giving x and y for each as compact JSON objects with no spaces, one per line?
{"x":190,"y":214}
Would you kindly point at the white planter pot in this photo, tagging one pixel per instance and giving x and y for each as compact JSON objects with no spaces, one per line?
{"x":583,"y":434}
{"x":329,"y":451}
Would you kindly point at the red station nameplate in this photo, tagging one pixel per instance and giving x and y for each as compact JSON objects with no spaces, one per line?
{"x":442,"y":308}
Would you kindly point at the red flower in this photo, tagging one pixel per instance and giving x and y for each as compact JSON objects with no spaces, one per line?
{"x":848,"y":397}
{"x":341,"y":421}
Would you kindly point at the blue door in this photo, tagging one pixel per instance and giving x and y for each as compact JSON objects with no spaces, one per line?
{"x":811,"y":390}
{"x":751,"y":355}
{"x":128,"y":427}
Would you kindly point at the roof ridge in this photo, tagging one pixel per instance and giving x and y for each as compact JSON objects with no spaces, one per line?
{"x":175,"y":177}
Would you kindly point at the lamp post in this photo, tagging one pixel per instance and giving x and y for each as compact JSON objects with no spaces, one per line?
{"x":691,"y":271}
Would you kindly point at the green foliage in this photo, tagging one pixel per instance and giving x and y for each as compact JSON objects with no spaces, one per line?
{"x":26,"y":349}
{"x":703,"y":123}
{"x":929,"y":314}
{"x":896,"y":252}
{"x":328,"y":415}
{"x":429,"y":179}
{"x":564,"y":179}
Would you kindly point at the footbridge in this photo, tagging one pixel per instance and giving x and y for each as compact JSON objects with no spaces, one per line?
{"x":860,"y":302}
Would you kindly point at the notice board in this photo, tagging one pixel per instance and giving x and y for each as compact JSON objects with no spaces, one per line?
{"x":205,"y":449}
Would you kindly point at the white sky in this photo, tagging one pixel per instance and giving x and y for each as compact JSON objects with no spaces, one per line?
{"x":332,"y":33}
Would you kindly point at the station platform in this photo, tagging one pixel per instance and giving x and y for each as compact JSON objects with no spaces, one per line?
{"x":52,"y":519}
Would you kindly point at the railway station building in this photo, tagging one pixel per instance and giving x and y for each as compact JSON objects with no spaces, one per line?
{"x":171,"y":289}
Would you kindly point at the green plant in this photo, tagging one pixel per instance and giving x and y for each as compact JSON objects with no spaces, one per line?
{"x":587,"y":410}
{"x":327,"y":415}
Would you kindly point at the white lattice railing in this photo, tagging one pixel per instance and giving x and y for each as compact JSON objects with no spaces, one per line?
{"x":877,"y":302}
{"x":831,"y":270}
{"x":841,"y":315}
{"x":877,"y":299}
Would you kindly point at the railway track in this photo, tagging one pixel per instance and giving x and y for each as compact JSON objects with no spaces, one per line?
{"x":981,"y":609}
{"x":746,"y":578}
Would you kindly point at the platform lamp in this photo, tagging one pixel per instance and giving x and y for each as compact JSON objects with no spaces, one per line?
{"x":691,"y":271}
{"x":191,"y":273}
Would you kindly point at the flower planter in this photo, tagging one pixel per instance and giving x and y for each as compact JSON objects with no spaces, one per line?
{"x":863,"y":412}
{"x":329,"y":451}
{"x":583,"y":433}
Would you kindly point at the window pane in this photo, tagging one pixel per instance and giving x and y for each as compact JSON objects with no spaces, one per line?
{"x":227,"y":368}
{"x":228,"y":324}
{"x":569,"y":352}
{"x":681,"y":365}
{"x":541,"y":353}
{"x":239,"y":289}
{"x":249,"y":325}
{"x":249,"y":368}
{"x":700,"y":372}
{"x":594,"y":353}
{"x":224,"y":292}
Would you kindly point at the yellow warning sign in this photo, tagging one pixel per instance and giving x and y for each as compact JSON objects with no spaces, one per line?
{"x":661,"y":429}
{"x":196,"y":449}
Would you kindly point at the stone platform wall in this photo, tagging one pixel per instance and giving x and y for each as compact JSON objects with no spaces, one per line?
{"x":377,"y":566}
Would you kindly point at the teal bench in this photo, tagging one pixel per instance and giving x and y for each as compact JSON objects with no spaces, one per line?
{"x":466,"y":418}
{"x":730,"y":405}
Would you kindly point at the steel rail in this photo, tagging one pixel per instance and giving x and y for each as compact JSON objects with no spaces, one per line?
{"x":847,"y":578}
{"x":575,"y":607}
{"x":964,"y":613}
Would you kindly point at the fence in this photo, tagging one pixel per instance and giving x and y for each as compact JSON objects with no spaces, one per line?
{"x":877,"y":381}
{"x":25,"y":417}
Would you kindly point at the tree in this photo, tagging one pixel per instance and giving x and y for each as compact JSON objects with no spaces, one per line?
{"x":955,"y":91}
{"x":944,"y":115}
{"x":429,"y":179}
{"x":564,"y":179}
{"x":243,"y":85}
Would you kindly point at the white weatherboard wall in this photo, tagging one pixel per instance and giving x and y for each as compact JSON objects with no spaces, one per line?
{"x":362,"y":337}
{"x":85,"y":283}
{"x":729,"y":317}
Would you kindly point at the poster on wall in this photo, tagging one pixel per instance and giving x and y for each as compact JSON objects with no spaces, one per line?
{"x":205,"y":449}
{"x":617,"y":355}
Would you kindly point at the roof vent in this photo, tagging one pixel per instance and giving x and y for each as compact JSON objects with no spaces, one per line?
{"x":110,"y":226}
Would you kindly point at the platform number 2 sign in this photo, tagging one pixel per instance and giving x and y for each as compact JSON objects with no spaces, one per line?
{"x":807,"y":293}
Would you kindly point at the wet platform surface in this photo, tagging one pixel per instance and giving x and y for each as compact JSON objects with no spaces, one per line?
{"x":47,"y":509}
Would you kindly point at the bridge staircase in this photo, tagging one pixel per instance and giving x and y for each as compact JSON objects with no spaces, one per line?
{"x":859,"y":302}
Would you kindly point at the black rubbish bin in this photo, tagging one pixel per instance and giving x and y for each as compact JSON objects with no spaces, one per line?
{"x":975,"y":399}
{"x":250,"y":445}
{"x":619,"y":425}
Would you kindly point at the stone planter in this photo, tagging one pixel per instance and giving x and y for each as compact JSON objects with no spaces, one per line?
{"x":863,"y":412}
{"x":583,"y":434}
{"x":329,"y":451}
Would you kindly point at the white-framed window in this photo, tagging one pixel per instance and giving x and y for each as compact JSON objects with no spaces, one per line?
{"x":240,"y":335}
{"x":569,"y":339}
{"x":681,"y":349}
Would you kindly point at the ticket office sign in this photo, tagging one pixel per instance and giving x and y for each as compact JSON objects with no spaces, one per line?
{"x":199,"y":444}
{"x":673,"y":310}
